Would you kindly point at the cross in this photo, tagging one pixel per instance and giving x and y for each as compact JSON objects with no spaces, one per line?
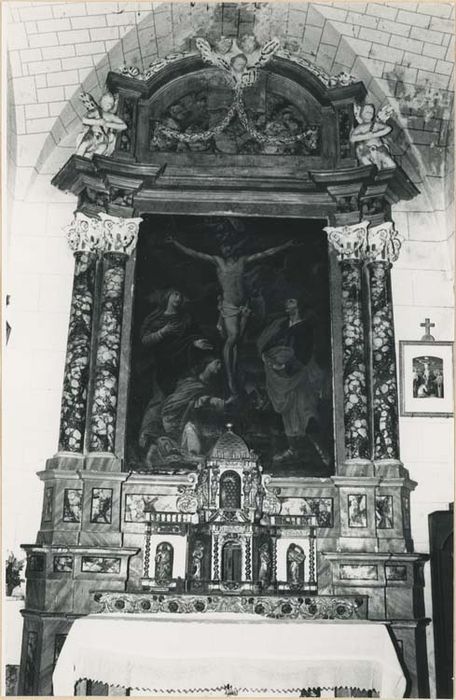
{"x":427,"y":325}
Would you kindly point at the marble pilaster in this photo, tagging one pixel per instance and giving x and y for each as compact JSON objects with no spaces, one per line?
{"x":119,"y":240}
{"x":383,"y":246}
{"x":349,"y":243}
{"x":84,"y":239}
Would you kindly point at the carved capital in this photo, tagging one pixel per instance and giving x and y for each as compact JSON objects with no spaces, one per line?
{"x":84,"y":234}
{"x":349,"y":242}
{"x":119,"y":235}
{"x":383,"y":243}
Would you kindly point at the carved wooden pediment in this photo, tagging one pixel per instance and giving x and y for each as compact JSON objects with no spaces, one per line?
{"x":271,"y":125}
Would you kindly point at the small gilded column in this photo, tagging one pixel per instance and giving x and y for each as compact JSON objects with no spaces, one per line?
{"x":84,"y":237}
{"x":383,"y":246}
{"x":119,"y":241}
{"x":349,"y":242}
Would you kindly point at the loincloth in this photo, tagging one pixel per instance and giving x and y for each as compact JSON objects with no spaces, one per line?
{"x":228,"y":310}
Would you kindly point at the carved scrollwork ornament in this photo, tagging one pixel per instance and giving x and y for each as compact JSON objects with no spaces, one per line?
{"x":383,"y":243}
{"x":349,"y":242}
{"x":84,"y":234}
{"x":187,"y":502}
{"x":119,"y":235}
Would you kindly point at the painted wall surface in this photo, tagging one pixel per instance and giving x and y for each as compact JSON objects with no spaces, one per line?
{"x":404,"y":53}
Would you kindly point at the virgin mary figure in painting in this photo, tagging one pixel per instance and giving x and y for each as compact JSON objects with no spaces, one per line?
{"x":293,"y":378}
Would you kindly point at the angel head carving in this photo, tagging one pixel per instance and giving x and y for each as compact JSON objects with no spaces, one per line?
{"x":239,"y":58}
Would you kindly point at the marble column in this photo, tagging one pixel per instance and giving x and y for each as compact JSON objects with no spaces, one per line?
{"x":383,"y":246}
{"x":349,"y":242}
{"x":119,"y":241}
{"x":84,"y":239}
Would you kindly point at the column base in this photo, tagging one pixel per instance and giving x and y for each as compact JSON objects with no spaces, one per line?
{"x":102,"y":462}
{"x":66,"y":461}
{"x":390,"y":468}
{"x":355,"y":467}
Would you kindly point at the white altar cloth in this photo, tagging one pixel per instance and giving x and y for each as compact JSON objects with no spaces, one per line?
{"x":199,"y":653}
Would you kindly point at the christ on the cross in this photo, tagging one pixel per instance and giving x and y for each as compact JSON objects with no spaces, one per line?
{"x":233,"y":306}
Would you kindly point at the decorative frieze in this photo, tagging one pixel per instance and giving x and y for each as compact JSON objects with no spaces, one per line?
{"x":311,"y":607}
{"x":349,"y":242}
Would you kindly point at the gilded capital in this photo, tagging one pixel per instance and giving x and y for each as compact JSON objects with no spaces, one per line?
{"x":119,"y":235}
{"x":349,"y":242}
{"x":383,"y":243}
{"x":84,"y":234}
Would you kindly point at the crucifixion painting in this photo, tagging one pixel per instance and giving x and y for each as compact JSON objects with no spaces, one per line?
{"x":233,"y":302}
{"x":231,"y":323}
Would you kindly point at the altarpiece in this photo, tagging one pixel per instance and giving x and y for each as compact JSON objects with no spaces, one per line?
{"x":229,"y":424}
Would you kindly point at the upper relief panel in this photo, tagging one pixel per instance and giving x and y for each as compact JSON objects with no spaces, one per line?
{"x":236,"y":98}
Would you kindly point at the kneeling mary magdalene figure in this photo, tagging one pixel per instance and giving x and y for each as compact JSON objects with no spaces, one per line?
{"x":294,"y":381}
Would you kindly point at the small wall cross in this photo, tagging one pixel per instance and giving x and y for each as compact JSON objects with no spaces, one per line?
{"x":427,"y":325}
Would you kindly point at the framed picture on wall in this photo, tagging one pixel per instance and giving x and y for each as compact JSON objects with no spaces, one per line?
{"x":426,"y":378}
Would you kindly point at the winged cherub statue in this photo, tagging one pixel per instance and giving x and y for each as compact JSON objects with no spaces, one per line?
{"x":101,"y":126}
{"x":369,"y":134}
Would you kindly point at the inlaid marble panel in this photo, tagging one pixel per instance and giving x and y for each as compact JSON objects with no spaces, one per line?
{"x":361,"y":572}
{"x":100,"y":565}
{"x":30,"y":663}
{"x":384,"y":512}
{"x":357,"y":510}
{"x":48,"y":503}
{"x":72,"y":505}
{"x":396,"y":572}
{"x":136,"y":503}
{"x":36,"y":562}
{"x":319,"y":507}
{"x":63,"y":564}
{"x":101,"y":506}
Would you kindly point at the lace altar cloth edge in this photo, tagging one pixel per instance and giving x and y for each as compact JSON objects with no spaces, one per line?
{"x":207,"y":654}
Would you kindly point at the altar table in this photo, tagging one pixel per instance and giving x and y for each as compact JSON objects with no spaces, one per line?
{"x":198,"y":654}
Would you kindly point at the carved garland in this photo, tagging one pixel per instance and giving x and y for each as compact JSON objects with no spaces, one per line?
{"x":341,"y":80}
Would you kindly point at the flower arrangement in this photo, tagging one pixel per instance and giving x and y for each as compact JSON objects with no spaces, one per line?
{"x":13,"y":568}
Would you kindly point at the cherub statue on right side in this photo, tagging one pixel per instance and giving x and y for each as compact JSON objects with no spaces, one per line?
{"x":368,"y":136}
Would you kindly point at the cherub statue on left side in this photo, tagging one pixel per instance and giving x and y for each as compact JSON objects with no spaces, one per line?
{"x":101,"y":126}
{"x":368,"y":136}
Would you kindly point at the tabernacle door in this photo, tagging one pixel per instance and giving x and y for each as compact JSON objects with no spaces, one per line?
{"x":232,"y":562}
